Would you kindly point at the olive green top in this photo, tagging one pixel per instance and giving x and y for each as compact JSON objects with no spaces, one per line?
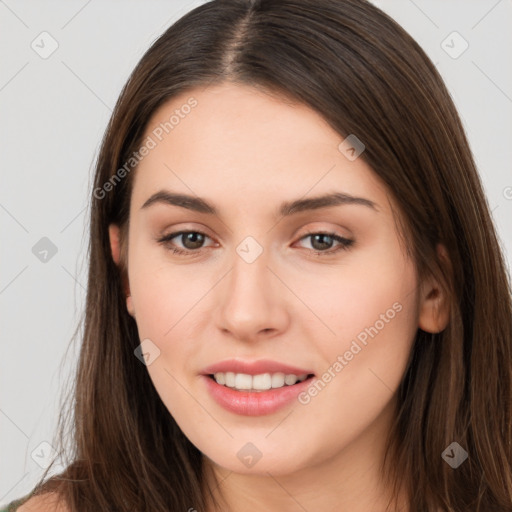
{"x":13,"y":505}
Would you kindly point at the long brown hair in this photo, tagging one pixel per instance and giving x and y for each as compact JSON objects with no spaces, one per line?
{"x":366,"y":76}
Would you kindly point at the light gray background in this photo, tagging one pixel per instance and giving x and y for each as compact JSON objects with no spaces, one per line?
{"x":53,"y":114}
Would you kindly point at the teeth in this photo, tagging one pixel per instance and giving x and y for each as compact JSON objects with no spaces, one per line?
{"x":290,"y":379}
{"x":230,"y":379}
{"x":243,"y":381}
{"x":277,"y":380}
{"x":260,"y":382}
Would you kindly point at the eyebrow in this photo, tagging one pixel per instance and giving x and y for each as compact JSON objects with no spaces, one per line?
{"x":287,"y":208}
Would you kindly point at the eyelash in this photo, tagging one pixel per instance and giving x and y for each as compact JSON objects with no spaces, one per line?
{"x":344,"y":243}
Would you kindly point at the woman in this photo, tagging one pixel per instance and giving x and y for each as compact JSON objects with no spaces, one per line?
{"x":296,"y":297}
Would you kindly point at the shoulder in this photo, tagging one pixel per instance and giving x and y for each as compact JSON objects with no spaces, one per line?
{"x":48,"y":502}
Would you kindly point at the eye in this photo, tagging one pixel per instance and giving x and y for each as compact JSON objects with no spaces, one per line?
{"x":191,"y":240}
{"x":324,"y":240}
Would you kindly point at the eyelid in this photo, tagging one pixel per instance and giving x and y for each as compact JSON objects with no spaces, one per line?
{"x":343,"y":241}
{"x":173,"y":231}
{"x":176,"y":234}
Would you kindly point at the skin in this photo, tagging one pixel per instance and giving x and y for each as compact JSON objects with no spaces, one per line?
{"x":246,"y":152}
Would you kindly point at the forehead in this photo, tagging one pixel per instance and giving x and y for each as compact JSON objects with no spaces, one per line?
{"x":239,"y":143}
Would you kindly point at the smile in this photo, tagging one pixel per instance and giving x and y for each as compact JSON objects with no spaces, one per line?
{"x":256,"y":402}
{"x":257,"y":383}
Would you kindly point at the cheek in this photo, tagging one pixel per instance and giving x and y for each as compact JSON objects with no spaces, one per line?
{"x":169,"y":311}
{"x":373,"y":296}
{"x":165,"y":294}
{"x":371,"y":311}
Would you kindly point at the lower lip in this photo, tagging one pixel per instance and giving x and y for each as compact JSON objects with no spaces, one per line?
{"x":254,"y":403}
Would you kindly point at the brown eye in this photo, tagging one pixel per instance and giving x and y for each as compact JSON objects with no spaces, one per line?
{"x":322,"y":242}
{"x":192,"y":241}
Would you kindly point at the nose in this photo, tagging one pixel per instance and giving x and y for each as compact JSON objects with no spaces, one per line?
{"x":252,"y":301}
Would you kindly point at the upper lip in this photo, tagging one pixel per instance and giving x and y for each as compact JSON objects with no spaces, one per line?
{"x":254,"y":367}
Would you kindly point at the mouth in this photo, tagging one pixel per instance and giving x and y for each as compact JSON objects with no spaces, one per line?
{"x":255,"y":387}
{"x":255,"y":395}
{"x":258,"y":383}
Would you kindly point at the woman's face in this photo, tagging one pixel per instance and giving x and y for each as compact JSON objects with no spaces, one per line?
{"x":323,"y":287}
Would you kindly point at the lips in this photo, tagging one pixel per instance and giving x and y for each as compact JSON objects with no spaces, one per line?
{"x":254,"y":367}
{"x":251,"y":402}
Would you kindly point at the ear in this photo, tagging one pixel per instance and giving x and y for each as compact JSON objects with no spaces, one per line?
{"x":115,"y":247}
{"x":113,"y":233}
{"x":434,"y":307}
